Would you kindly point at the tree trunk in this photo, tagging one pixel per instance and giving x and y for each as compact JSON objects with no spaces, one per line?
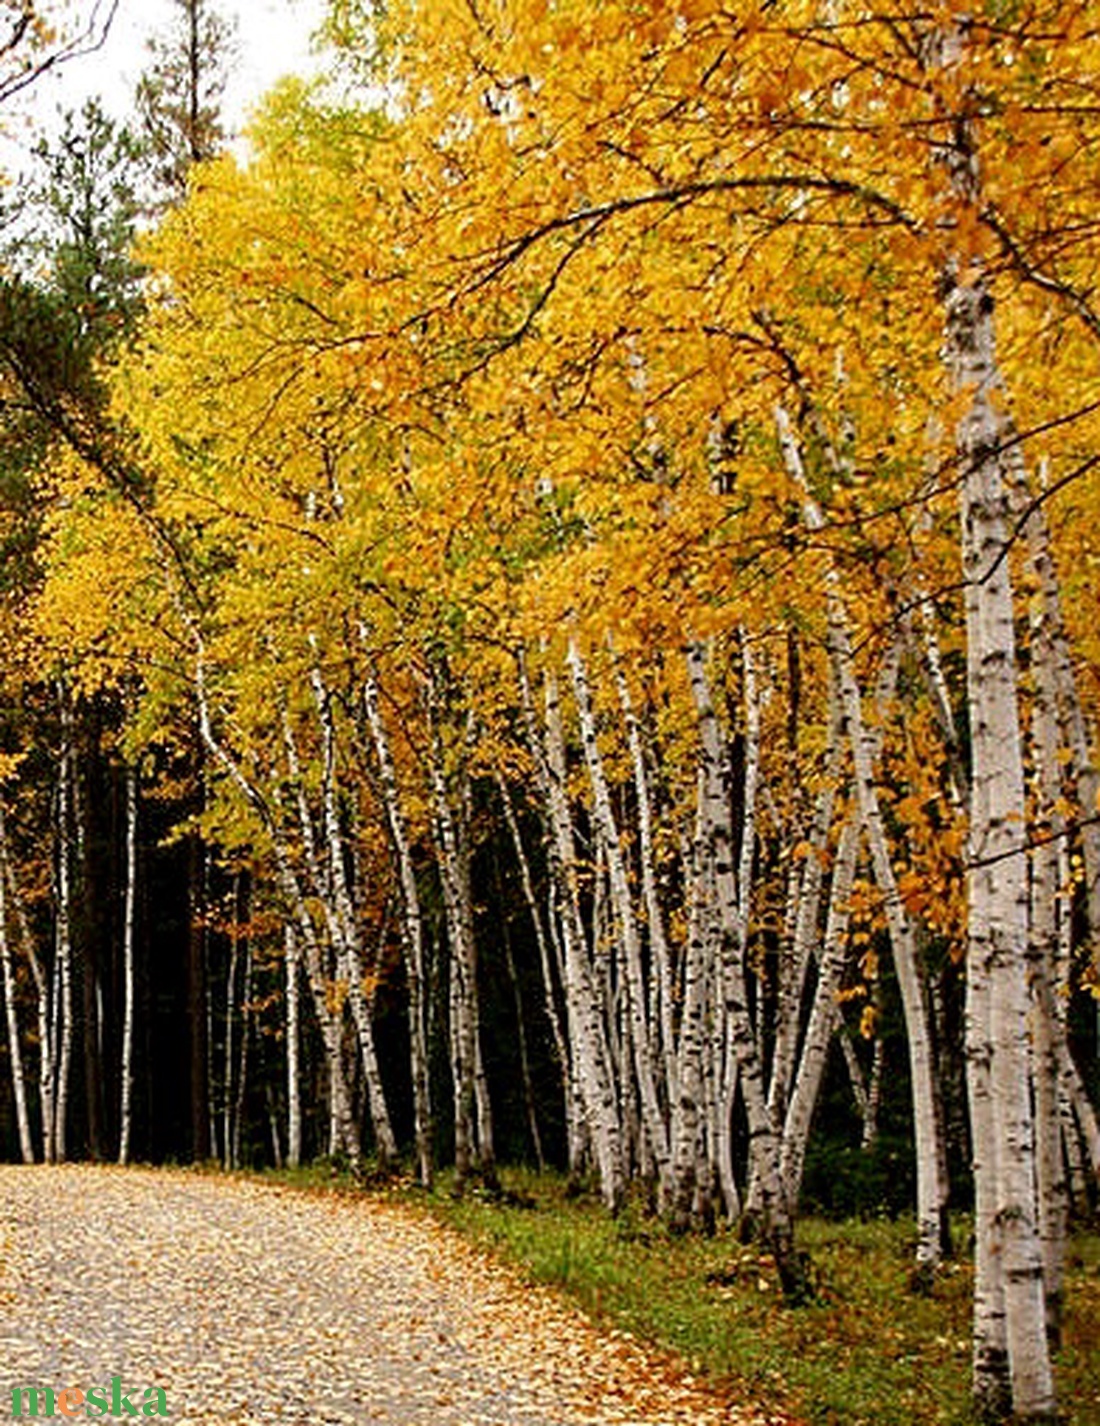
{"x":345,"y":928}
{"x":626,"y":927}
{"x":412,"y":933}
{"x":196,"y":997}
{"x":129,"y":908}
{"x":293,"y":1040}
{"x":997,"y":1043}
{"x":931,"y":1191}
{"x":825,"y":1011}
{"x":233,"y":1147}
{"x":587,"y":1030}
{"x":63,"y":946}
{"x":776,"y":1213}
{"x":15,"y":1048}
{"x":42,"y":998}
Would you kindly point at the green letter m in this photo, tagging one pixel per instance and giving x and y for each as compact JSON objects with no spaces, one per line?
{"x":33,"y":1395}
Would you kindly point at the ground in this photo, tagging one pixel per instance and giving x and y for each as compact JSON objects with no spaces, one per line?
{"x":247,"y":1302}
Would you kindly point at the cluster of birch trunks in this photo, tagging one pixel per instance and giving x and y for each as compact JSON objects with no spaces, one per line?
{"x":643,"y":911}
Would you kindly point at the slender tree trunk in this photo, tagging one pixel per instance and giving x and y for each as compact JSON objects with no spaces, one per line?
{"x":273,"y":1127}
{"x":795,"y":963}
{"x":691,"y":1089}
{"x":869,"y":1136}
{"x":345,"y":927}
{"x":15,"y":1048}
{"x":463,"y":981}
{"x":233,"y":1148}
{"x":197,"y":998}
{"x":129,"y":909}
{"x":931,"y":1191}
{"x":521,"y":1025}
{"x":85,"y":930}
{"x":626,"y":926}
{"x":587,"y":1029}
{"x":293,"y":1040}
{"x":824,"y":1013}
{"x":42,"y":998}
{"x":230,"y":1036}
{"x":775,"y":1208}
{"x":1043,"y":946}
{"x":63,"y":947}
{"x":661,"y":972}
{"x":997,"y":1044}
{"x":412,"y":932}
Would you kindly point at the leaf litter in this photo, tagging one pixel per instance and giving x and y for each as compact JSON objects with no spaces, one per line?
{"x":249,"y":1302}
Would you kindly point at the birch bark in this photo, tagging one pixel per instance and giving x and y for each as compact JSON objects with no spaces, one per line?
{"x":63,"y":946}
{"x":15,"y":1048}
{"x":931,"y":1191}
{"x":42,"y":997}
{"x":626,"y":926}
{"x":997,"y":1038}
{"x":588,"y":1032}
{"x":412,"y":930}
{"x":293,"y":1076}
{"x":345,"y":928}
{"x":129,"y":910}
{"x":550,"y":1002}
{"x":777,"y":1224}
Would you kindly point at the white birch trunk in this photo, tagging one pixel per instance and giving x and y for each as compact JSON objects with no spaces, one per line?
{"x":15,"y":1048}
{"x":345,"y":927}
{"x":824,"y":1013}
{"x":1043,"y":941}
{"x":655,"y":925}
{"x":806,"y":930}
{"x":776,"y":1212}
{"x":42,"y":997}
{"x":233,"y":1149}
{"x":626,"y":926}
{"x":1009,"y":1273}
{"x":63,"y":948}
{"x":587,"y":1030}
{"x":228,"y":1098}
{"x":412,"y":931}
{"x":998,"y":930}
{"x":293,"y":1040}
{"x":691,"y":1092}
{"x":129,"y":913}
{"x":931,"y":1191}
{"x":463,"y":984}
{"x":344,"y":1131}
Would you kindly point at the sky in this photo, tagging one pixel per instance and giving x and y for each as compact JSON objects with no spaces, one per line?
{"x":273,"y":40}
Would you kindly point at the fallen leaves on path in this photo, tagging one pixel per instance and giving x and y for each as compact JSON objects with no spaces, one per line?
{"x":251,"y":1303}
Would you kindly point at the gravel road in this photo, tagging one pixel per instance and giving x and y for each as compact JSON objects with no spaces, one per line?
{"x":246,"y":1302}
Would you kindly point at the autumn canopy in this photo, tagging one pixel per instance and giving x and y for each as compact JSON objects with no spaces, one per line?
{"x":633,"y":462}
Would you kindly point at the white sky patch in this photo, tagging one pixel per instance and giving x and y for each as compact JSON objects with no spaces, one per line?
{"x":273,"y":40}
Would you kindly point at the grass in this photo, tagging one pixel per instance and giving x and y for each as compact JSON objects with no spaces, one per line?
{"x":867,"y":1353}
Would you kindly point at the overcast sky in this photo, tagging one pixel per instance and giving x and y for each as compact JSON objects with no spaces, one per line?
{"x":273,"y":40}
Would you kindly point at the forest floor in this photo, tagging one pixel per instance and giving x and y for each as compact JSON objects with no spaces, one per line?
{"x":250,"y":1302}
{"x":867,"y":1351}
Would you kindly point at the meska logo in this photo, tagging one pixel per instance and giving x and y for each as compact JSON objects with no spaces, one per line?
{"x":94,"y":1401}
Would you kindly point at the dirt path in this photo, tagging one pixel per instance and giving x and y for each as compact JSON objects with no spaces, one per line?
{"x":251,"y":1303}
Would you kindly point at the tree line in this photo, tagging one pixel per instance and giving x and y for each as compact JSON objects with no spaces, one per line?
{"x":554,"y":595}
